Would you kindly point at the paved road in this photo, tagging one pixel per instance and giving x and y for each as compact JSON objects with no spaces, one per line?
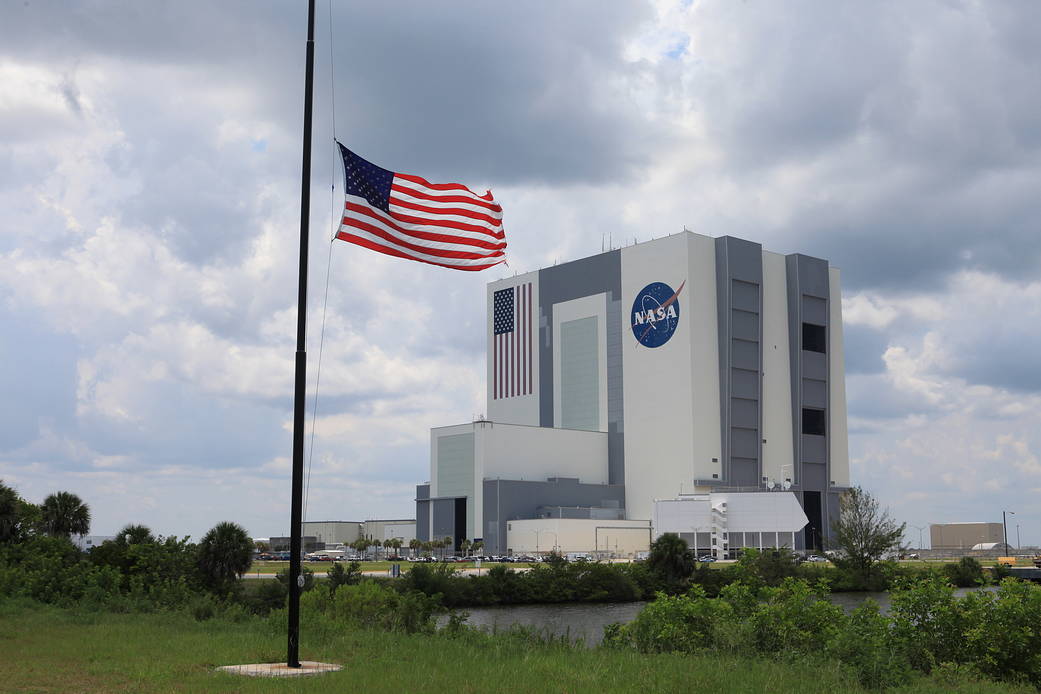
{"x":386,"y":572}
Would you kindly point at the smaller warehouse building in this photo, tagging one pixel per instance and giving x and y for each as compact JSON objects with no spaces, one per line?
{"x":964,"y":535}
{"x":331,"y":534}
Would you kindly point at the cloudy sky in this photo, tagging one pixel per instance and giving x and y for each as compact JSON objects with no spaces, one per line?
{"x":149,"y":189}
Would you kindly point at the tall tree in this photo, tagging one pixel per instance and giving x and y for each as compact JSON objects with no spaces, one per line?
{"x":9,"y":513}
{"x":864,"y":533}
{"x":63,"y":514}
{"x":135,"y":535}
{"x":670,"y":559}
{"x":224,"y":554}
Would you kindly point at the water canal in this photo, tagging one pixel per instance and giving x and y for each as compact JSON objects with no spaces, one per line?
{"x":585,"y":622}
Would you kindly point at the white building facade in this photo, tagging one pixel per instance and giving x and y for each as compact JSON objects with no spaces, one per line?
{"x":687,"y":365}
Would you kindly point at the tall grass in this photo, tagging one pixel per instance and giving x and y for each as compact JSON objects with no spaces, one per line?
{"x":47,"y":649}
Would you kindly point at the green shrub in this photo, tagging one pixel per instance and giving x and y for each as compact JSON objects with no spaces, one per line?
{"x":795,"y":617}
{"x":371,"y":605}
{"x":343,"y":576}
{"x":866,"y":646}
{"x":966,"y":573}
{"x":928,"y":623}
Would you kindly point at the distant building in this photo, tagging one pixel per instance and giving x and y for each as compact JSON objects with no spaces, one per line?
{"x":332,"y":533}
{"x":329,"y":534}
{"x":964,"y":535}
{"x":683,"y":365}
{"x":310,"y":543}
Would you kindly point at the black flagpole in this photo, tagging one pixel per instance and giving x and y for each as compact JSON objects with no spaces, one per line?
{"x":296,"y":514}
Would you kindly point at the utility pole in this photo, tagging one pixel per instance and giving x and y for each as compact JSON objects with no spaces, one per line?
{"x":1004,"y":526}
{"x":300,"y":392}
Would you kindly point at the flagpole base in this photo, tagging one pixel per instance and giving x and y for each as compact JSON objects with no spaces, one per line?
{"x":307,"y":667}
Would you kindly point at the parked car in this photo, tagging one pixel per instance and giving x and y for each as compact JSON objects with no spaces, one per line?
{"x":816,"y":557}
{"x":706,"y":559}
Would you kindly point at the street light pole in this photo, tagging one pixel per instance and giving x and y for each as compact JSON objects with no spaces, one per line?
{"x":920,"y":529}
{"x":1004,"y":526}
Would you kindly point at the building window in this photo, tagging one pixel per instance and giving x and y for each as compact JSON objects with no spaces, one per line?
{"x":813,"y":421}
{"x":814,"y":338}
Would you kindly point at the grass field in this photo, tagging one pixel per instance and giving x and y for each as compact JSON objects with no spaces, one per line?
{"x":44,"y":649}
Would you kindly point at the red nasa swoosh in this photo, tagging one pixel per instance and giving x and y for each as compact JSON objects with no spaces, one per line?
{"x":668,"y":302}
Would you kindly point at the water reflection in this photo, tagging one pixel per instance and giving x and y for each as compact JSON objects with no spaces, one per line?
{"x":585,"y":622}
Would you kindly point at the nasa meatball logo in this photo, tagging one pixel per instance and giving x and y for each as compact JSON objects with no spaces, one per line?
{"x":655,"y":314}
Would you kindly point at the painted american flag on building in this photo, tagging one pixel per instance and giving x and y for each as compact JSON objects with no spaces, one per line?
{"x":444,"y":224}
{"x":513,"y":341}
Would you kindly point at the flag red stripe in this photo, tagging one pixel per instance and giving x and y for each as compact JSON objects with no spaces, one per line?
{"x":393,"y":250}
{"x":442,"y":186}
{"x":445,"y":223}
{"x":416,"y":193}
{"x":427,"y":250}
{"x":392,"y":221}
{"x":457,"y":211}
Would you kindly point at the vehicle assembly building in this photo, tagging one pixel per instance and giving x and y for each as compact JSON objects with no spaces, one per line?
{"x":688,"y":368}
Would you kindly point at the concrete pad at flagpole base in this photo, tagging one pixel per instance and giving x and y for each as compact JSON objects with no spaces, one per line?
{"x":307,"y":667}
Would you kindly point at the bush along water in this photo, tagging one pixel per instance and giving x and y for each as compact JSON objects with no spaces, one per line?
{"x":990,"y":633}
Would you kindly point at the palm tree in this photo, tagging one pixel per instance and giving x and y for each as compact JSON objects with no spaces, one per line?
{"x":670,"y":559}
{"x":224,"y":554}
{"x":135,"y":535}
{"x":394,"y":543}
{"x":477,"y":546}
{"x":465,"y":545}
{"x":64,"y":514}
{"x":9,"y":515}
{"x":415,"y":545}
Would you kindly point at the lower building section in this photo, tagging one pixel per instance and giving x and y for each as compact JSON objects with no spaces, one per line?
{"x":718,"y":524}
{"x":509,"y":500}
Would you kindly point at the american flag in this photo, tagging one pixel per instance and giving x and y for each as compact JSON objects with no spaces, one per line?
{"x":513,"y":342}
{"x":406,"y":216}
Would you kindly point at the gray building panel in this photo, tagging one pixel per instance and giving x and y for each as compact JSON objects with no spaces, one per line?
{"x":744,"y":354}
{"x":808,"y":290}
{"x":814,"y":475}
{"x":744,"y":384}
{"x":744,"y":472}
{"x":744,"y":413}
{"x":598,"y":274}
{"x":745,"y":295}
{"x":423,"y":512}
{"x":815,"y":392}
{"x":423,"y":519}
{"x":506,"y":500}
{"x":814,"y":450}
{"x":739,"y":278}
{"x":744,"y":443}
{"x":443,"y":522}
{"x":814,"y":310}
{"x":814,"y":365}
